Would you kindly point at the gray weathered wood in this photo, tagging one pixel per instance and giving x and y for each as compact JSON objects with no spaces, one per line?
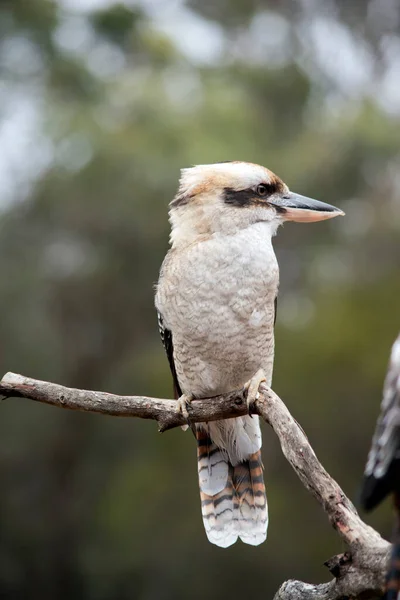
{"x":359,"y":574}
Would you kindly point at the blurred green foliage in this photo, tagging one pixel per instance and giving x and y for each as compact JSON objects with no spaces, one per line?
{"x":99,"y":110}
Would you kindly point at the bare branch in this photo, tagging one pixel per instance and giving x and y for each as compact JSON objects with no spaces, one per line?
{"x":297,"y":450}
{"x":160,"y":410}
{"x":362,"y":571}
{"x":357,"y":574}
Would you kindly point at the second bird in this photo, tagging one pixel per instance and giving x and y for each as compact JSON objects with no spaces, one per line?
{"x":216,"y":302}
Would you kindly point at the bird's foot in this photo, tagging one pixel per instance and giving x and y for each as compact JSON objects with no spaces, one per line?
{"x":181,"y":408}
{"x":252,"y":387}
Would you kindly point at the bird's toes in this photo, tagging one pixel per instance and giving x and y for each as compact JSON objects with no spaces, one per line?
{"x":181,"y":408}
{"x":252,"y":387}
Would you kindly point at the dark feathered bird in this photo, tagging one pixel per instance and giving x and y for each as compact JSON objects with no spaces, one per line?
{"x":382,"y":473}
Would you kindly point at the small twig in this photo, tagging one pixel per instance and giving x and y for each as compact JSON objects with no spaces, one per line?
{"x":358,"y":574}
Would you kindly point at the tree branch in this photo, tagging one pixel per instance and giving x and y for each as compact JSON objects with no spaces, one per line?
{"x":358,"y":574}
{"x":163,"y":411}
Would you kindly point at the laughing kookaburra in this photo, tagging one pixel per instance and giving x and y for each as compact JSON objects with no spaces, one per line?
{"x":216,"y":302}
{"x":382,"y":473}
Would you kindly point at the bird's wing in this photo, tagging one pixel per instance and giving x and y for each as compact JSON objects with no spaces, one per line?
{"x":166,"y":338}
{"x":382,"y":473}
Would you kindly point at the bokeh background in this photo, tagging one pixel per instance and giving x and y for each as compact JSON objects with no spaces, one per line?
{"x":101,"y":104}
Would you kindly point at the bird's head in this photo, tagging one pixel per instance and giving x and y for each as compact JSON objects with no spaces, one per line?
{"x":223,"y":198}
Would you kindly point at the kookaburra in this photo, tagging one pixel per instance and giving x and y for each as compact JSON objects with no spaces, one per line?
{"x":216,"y":302}
{"x":382,"y":473}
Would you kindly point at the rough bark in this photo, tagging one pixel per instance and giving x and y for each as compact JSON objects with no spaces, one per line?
{"x":358,"y":574}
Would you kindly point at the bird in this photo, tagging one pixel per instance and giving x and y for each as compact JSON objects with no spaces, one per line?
{"x":382,"y":471}
{"x":216,"y":300}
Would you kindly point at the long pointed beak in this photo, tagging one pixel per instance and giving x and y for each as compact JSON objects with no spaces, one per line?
{"x":294,"y":207}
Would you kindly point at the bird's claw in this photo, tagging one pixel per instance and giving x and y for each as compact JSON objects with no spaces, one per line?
{"x":181,"y":408}
{"x":252,"y":387}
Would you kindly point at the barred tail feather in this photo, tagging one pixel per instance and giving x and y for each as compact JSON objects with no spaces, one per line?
{"x":393,"y":576}
{"x":216,"y":491}
{"x":252,"y":509}
{"x":233,"y":498}
{"x":218,"y":516}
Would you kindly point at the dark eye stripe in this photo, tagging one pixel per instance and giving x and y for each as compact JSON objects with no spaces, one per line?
{"x":238,"y":198}
{"x":246,"y":197}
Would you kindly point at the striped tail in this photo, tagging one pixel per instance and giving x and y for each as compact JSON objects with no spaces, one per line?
{"x":393,"y":576}
{"x":233,"y":498}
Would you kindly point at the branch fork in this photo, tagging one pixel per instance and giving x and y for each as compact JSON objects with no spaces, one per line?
{"x":358,"y":573}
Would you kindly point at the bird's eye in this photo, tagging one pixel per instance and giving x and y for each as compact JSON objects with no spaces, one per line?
{"x":262,"y":190}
